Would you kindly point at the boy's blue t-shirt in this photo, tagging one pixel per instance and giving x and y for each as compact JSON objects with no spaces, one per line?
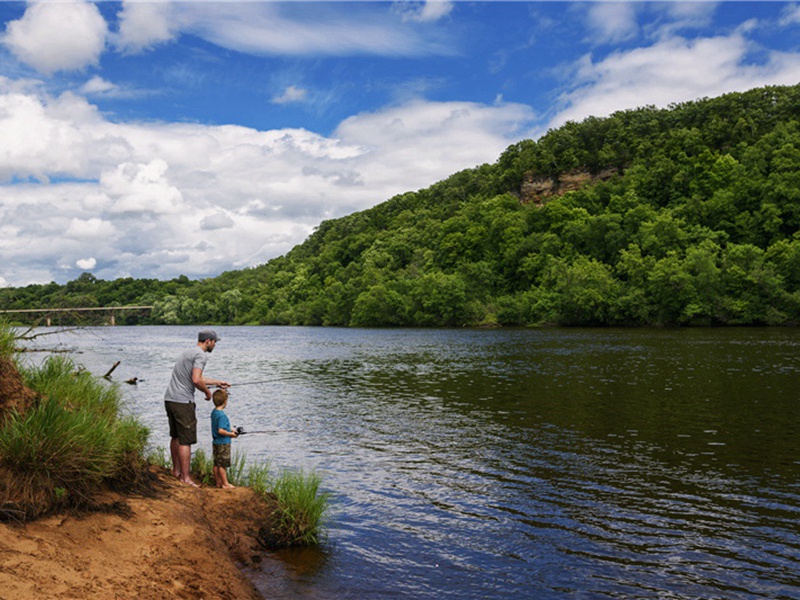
{"x":219,"y":420}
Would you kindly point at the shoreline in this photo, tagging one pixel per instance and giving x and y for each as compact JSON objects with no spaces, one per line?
{"x":176,"y":542}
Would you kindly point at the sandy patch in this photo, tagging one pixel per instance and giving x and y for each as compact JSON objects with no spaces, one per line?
{"x":182,"y":543}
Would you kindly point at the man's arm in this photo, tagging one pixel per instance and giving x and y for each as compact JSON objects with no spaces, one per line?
{"x":200,"y":383}
{"x":203,"y":383}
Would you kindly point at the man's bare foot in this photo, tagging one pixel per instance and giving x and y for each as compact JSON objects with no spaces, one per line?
{"x":227,"y":486}
{"x":188,"y":482}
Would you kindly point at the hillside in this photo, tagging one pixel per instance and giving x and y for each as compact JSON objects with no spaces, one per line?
{"x":680,"y":216}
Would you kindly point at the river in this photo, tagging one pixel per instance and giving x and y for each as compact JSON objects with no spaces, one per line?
{"x":466,"y":464}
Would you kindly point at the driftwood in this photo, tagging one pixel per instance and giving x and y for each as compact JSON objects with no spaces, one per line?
{"x":111,"y":370}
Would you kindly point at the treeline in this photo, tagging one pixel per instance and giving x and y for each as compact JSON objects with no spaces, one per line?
{"x":686,"y":216}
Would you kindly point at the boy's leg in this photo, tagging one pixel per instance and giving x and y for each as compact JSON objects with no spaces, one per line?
{"x":223,"y":475}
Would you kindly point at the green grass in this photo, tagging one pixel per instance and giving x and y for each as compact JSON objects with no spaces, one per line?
{"x":299,"y":516}
{"x":8,"y":339}
{"x":72,"y":442}
{"x":301,"y":507}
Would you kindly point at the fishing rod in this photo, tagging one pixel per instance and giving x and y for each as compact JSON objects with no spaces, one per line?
{"x":250,"y":383}
{"x":241,"y":431}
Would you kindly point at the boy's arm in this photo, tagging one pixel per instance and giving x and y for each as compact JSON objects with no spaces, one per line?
{"x":230,"y":433}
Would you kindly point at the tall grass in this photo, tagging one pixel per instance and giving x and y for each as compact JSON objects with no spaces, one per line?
{"x":300,"y":508}
{"x":7,"y":339}
{"x":70,"y":444}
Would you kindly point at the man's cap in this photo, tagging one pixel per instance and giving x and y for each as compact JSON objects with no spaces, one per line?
{"x":208,"y":334}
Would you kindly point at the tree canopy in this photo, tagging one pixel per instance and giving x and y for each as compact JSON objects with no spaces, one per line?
{"x":681,"y":216}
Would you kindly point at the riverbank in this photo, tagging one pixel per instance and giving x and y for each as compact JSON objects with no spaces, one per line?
{"x":174,"y":542}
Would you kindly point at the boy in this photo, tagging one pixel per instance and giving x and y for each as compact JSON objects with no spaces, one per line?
{"x":222,"y":433}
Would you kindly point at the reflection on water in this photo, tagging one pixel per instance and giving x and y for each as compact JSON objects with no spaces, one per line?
{"x":514,"y":464}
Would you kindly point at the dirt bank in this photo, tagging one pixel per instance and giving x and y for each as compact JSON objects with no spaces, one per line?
{"x":180,"y":543}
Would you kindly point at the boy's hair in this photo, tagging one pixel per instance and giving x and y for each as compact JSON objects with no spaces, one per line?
{"x":220,"y":397}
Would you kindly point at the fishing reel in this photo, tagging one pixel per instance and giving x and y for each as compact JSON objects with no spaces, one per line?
{"x":240,"y":431}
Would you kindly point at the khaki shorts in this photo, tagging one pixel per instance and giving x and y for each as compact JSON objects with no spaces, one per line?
{"x":182,"y":422}
{"x":222,"y":455}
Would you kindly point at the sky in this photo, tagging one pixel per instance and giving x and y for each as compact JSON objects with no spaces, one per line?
{"x":157,"y":139}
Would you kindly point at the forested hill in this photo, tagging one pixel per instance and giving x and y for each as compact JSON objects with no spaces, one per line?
{"x":687,"y":215}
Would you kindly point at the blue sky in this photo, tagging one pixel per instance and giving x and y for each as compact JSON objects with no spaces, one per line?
{"x":153,"y":139}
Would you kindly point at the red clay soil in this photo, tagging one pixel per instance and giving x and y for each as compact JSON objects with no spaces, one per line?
{"x":13,"y":393}
{"x":184,"y":542}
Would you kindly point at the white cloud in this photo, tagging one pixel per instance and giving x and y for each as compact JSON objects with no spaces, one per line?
{"x":290,"y":95}
{"x":92,"y":228}
{"x":97,"y":86}
{"x":86,"y":263}
{"x":672,"y":70}
{"x":143,"y":25}
{"x":46,"y":140}
{"x":426,"y":11}
{"x":145,"y":199}
{"x":791,"y":15}
{"x":57,"y":36}
{"x":218,"y":220}
{"x":141,"y":188}
{"x":613,"y":21}
{"x":307,"y":28}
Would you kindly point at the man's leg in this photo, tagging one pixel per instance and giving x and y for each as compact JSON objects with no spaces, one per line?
{"x":185,"y":459}
{"x":176,"y":461}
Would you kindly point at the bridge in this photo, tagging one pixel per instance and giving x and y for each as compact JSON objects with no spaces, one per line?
{"x":49,"y":312}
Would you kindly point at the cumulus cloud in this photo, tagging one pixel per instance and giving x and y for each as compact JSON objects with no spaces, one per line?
{"x":57,"y":36}
{"x":143,"y":25}
{"x":97,"y":86}
{"x":218,"y":220}
{"x":141,"y":188}
{"x":290,"y":95}
{"x":142,"y":198}
{"x":671,"y":70}
{"x":86,"y":263}
{"x":90,"y":229}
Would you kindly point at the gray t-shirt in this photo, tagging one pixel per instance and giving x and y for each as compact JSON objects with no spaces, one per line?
{"x":181,"y":388}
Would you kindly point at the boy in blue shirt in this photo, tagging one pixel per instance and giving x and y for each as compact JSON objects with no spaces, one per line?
{"x":222,"y":433}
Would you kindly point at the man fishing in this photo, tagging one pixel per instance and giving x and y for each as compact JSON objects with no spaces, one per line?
{"x":187,"y":376}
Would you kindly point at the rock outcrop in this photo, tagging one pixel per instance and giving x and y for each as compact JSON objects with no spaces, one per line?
{"x":535,"y":190}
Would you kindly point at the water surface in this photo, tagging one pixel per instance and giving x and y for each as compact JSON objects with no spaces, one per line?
{"x":511,"y":463}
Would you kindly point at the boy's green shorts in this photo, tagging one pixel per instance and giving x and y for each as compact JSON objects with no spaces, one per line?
{"x":222,"y":455}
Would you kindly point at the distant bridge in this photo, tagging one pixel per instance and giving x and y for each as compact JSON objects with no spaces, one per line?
{"x":48,"y":312}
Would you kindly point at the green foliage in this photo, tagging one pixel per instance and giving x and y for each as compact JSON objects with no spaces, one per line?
{"x":8,"y":340}
{"x":301,"y":509}
{"x":69,"y":445}
{"x":686,"y":216}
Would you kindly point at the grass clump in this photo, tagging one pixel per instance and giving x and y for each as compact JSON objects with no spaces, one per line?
{"x":70,"y":443}
{"x":299,"y":507}
{"x":301,"y":510}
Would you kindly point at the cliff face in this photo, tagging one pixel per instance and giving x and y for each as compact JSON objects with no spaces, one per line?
{"x":535,"y":190}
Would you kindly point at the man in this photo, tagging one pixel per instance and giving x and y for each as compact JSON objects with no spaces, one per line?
{"x":187,"y":376}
